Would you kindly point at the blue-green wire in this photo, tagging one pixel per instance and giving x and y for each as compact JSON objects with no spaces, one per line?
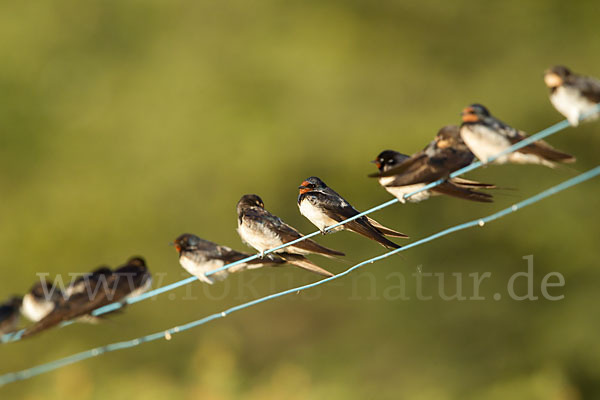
{"x":15,"y":336}
{"x":41,"y":369}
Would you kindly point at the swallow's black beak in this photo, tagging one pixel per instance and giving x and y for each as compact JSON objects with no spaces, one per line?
{"x":302,"y":187}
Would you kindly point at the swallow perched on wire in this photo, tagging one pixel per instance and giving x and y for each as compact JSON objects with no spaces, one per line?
{"x":9,"y":314}
{"x":127,"y":281}
{"x":572,"y":95}
{"x":324,"y":207}
{"x":198,"y":256}
{"x":262,"y":230}
{"x":487,"y":136}
{"x":400,"y":174}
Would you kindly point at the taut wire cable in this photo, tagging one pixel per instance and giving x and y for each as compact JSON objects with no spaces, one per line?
{"x":551,"y":130}
{"x":41,"y":369}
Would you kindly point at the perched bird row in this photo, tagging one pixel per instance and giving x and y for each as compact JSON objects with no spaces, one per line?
{"x":264,"y":231}
{"x":47,"y":305}
{"x":480,"y":135}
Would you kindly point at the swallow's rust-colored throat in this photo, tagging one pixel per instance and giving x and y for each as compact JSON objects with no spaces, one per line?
{"x":552,"y":80}
{"x":468,"y":115}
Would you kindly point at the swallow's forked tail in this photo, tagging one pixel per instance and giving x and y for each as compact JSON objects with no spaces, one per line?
{"x":304,"y":263}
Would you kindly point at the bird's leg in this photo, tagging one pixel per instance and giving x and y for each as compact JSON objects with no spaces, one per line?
{"x":261,"y":255}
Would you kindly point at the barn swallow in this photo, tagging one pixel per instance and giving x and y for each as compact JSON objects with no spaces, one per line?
{"x":9,"y":314}
{"x":324,"y":207}
{"x":129,"y":280}
{"x":572,"y":95}
{"x":262,"y":230}
{"x":487,"y":136}
{"x":41,"y":300}
{"x":198,"y":256}
{"x":400,"y":174}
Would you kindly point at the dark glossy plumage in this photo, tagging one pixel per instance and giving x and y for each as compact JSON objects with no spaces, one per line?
{"x":9,"y":314}
{"x":444,"y":155}
{"x":199,"y":256}
{"x":322,"y":205}
{"x":486,"y":136}
{"x":263,"y":231}
{"x":100,"y":290}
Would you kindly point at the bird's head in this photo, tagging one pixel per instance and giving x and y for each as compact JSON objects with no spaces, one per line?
{"x":248,"y":201}
{"x":448,"y":136}
{"x":474,"y":113}
{"x":310,"y":184}
{"x":136,"y":261}
{"x":555,"y":76}
{"x":186,"y":242}
{"x":388,"y":158}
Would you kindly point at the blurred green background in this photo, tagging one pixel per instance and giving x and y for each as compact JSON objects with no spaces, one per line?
{"x":126,"y":123}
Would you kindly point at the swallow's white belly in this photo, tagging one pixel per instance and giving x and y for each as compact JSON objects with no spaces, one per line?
{"x":526,"y":158}
{"x":35,"y":309}
{"x":259,"y":237}
{"x":314,"y":215}
{"x":570,"y":103}
{"x":485,"y":142}
{"x":400,"y":191}
{"x":198,"y":269}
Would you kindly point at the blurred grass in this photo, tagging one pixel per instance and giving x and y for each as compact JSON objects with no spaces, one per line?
{"x":125,"y":124}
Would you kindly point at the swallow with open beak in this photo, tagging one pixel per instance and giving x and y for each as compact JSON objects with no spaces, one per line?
{"x":264,"y":231}
{"x":9,"y":314}
{"x":198,"y":256}
{"x":572,"y":95}
{"x":324,"y":207}
{"x":400,"y":174}
{"x":129,"y":280}
{"x":487,"y":136}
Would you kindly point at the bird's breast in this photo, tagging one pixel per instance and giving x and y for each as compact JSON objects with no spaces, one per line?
{"x":400,"y":191}
{"x":484,"y":141}
{"x":258,"y":235}
{"x":198,"y":266}
{"x":571,"y":103}
{"x":36,"y":309}
{"x":315,"y":214}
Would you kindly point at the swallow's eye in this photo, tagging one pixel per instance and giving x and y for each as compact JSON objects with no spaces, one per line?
{"x":312,"y":186}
